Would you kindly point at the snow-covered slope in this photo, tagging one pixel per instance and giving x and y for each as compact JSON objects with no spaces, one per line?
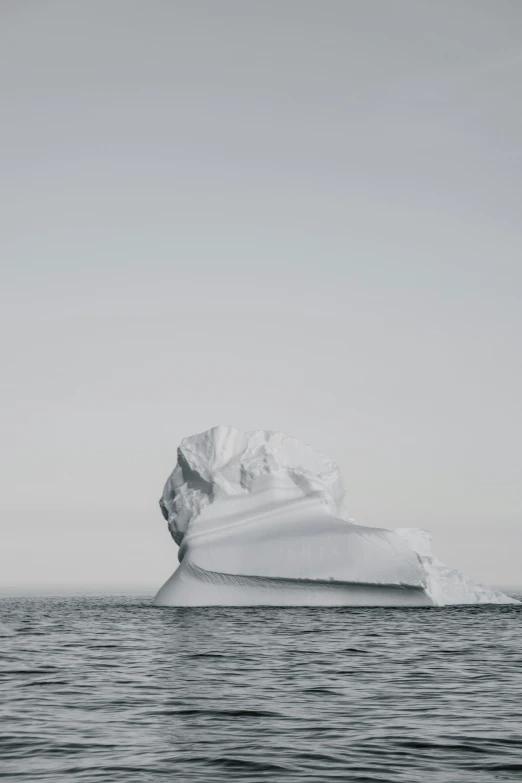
{"x":258,"y":519}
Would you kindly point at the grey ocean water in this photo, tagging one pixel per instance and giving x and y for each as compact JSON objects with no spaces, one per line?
{"x":113,"y":689}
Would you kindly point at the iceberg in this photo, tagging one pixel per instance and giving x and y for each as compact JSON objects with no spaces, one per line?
{"x":259,"y":520}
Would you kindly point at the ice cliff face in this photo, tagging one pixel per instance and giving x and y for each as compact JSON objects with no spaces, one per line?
{"x":224,"y":462}
{"x":258,"y":518}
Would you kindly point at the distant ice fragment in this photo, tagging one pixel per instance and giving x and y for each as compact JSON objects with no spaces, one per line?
{"x":258,"y":519}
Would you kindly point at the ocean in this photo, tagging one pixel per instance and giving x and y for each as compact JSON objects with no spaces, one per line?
{"x":102,"y":689}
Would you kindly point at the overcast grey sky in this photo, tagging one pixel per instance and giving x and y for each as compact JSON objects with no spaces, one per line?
{"x":277,"y":214}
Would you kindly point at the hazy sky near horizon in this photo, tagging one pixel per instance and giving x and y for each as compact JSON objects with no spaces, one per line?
{"x":277,"y":214}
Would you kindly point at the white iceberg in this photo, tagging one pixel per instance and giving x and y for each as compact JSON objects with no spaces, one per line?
{"x":258,"y":519}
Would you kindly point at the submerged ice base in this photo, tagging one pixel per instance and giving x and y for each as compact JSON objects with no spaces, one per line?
{"x":258,"y":520}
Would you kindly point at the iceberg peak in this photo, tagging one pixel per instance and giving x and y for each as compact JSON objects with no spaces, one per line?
{"x":225,"y":462}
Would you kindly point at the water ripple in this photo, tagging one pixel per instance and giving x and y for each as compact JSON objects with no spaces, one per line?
{"x":95,"y":690}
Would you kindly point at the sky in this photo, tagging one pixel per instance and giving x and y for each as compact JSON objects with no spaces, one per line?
{"x":278,"y":214}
